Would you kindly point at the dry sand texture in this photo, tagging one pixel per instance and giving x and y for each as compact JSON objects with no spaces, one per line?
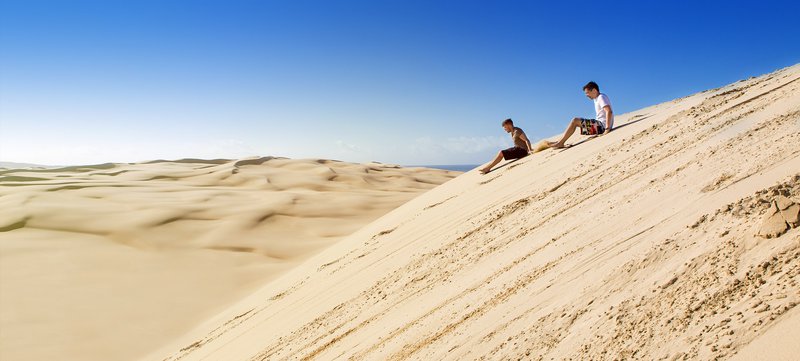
{"x":642,"y":244}
{"x":108,"y":262}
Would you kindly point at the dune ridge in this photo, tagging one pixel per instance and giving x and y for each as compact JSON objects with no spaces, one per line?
{"x":649,"y":243}
{"x":108,"y":261}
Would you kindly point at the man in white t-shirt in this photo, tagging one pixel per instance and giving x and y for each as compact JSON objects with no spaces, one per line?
{"x":604,"y":116}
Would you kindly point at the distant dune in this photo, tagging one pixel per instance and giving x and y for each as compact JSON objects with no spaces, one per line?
{"x":108,"y":261}
{"x":13,"y":165}
{"x":674,"y":237}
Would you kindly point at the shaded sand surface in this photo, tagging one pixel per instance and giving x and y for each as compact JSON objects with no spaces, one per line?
{"x":109,"y":261}
{"x":779,"y":342}
{"x":649,"y":243}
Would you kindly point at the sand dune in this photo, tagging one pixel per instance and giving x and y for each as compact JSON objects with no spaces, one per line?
{"x":661,"y":240}
{"x":109,"y":261}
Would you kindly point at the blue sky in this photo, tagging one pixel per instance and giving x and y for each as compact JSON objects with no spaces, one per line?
{"x":408,"y":82}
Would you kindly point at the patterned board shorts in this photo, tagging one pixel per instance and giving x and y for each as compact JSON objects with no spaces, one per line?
{"x":591,"y":127}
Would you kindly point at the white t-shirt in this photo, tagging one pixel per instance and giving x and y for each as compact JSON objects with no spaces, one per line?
{"x":600,"y":102}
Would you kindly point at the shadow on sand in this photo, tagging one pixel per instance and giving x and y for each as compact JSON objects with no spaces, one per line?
{"x":505,"y":164}
{"x":615,"y":129}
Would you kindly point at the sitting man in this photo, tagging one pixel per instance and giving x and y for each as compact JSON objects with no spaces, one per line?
{"x":603,"y":123}
{"x":521,"y":148}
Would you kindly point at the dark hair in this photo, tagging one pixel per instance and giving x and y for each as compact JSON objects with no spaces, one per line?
{"x":591,"y":85}
{"x":508,"y":121}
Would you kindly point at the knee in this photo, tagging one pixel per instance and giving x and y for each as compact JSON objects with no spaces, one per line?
{"x":575,"y":121}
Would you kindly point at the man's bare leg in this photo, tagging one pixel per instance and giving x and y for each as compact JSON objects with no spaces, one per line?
{"x":574,"y":124}
{"x":494,"y":162}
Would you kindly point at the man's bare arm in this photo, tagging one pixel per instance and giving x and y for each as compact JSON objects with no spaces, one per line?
{"x":528,"y":142}
{"x":609,"y":114}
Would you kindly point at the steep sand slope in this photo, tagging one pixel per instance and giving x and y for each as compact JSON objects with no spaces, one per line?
{"x":636,"y":245}
{"x":108,"y":262}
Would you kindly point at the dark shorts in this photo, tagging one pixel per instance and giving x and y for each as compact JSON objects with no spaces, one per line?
{"x":514,"y":153}
{"x":592,"y":126}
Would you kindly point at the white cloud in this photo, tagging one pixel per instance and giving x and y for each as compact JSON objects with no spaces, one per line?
{"x":349,"y":147}
{"x":230,"y":148}
{"x":89,"y":151}
{"x":51,"y":154}
{"x":460,"y":145}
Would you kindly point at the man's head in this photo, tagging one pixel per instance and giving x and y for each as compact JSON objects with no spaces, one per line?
{"x":508,"y":125}
{"x":591,"y":89}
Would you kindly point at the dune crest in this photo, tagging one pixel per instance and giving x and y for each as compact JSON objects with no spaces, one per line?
{"x":640,"y":244}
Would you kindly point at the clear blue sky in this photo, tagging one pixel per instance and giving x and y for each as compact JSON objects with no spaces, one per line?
{"x":408,"y":82}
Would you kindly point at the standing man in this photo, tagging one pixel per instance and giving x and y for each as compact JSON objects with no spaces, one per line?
{"x":521,"y":148}
{"x":602,"y":124}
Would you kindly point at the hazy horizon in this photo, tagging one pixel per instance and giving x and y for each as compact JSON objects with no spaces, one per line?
{"x":12,"y":165}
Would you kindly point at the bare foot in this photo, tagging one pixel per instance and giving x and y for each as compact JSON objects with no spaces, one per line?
{"x":484,"y":170}
{"x":557,"y":145}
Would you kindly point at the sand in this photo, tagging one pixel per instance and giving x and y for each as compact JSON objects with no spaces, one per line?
{"x":641,"y":244}
{"x":542,"y":145}
{"x":110,"y":261}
